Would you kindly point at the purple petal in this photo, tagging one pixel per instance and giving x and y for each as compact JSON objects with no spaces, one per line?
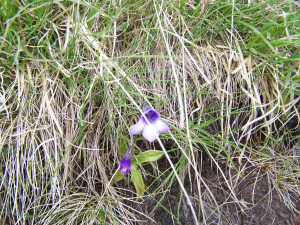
{"x":125,"y":163}
{"x":152,"y":115}
{"x":150,"y":132}
{"x":161,"y":126}
{"x":147,"y":108}
{"x":138,"y":127}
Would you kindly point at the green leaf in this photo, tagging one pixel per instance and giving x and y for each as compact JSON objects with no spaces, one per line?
{"x":91,"y":18}
{"x":137,"y":180}
{"x":123,"y":147}
{"x":118,"y":177}
{"x":149,"y":156}
{"x":259,"y":34}
{"x":91,"y":7}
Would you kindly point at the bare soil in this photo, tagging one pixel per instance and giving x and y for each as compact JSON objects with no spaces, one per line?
{"x":262,"y":204}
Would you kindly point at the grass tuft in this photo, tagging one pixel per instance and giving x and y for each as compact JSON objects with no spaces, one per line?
{"x":75,"y":75}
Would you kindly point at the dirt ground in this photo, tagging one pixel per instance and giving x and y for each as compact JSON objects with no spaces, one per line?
{"x":262,"y":204}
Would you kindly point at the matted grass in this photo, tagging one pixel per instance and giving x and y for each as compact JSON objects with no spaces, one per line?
{"x":75,"y":76}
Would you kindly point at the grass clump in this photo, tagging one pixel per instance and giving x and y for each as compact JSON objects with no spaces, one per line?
{"x":76,"y":74}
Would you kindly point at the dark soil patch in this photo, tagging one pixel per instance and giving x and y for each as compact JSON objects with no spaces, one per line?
{"x":262,"y":204}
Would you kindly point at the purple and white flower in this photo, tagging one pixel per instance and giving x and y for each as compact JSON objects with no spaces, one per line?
{"x":152,"y":130}
{"x":125,"y":163}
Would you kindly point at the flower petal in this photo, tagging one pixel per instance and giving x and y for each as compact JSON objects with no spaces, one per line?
{"x":124,"y":168}
{"x":161,"y":126}
{"x":125,"y":163}
{"x":138,"y":127}
{"x":151,"y":114}
{"x":147,"y":108}
{"x":150,"y":132}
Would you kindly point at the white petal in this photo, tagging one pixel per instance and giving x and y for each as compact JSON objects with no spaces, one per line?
{"x":150,"y":132}
{"x":161,"y":126}
{"x":138,"y":127}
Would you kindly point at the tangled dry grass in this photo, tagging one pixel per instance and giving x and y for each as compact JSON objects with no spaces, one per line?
{"x":89,"y":75}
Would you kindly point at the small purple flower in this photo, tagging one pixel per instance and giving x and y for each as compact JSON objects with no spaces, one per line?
{"x":125,"y":163}
{"x":152,"y":130}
